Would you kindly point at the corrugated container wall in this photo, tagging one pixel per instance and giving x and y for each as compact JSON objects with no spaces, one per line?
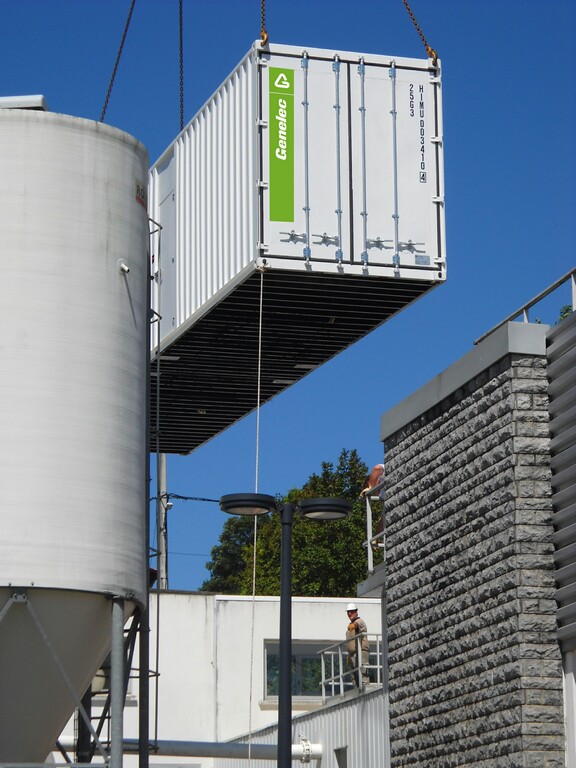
{"x":307,"y":161}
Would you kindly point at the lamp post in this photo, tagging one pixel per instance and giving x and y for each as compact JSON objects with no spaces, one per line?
{"x":315,"y":509}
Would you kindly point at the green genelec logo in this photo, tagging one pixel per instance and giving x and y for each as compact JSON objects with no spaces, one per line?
{"x":281,"y":88}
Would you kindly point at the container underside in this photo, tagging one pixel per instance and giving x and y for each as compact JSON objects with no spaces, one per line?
{"x":209,"y":374}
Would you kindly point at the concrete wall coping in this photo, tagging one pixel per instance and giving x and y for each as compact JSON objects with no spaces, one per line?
{"x":512,"y":338}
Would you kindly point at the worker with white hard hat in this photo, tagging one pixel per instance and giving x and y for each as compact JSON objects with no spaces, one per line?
{"x":357,"y":639}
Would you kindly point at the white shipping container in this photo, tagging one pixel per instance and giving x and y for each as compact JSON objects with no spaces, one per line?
{"x":309,"y":190}
{"x":306,"y":160}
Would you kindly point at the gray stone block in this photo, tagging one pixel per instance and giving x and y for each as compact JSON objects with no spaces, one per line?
{"x":475,"y":669}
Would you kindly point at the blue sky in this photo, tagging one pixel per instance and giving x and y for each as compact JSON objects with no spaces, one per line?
{"x":509,"y":132}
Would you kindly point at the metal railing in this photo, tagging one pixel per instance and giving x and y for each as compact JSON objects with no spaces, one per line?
{"x":523,"y":310}
{"x":342,"y":673}
{"x":374,"y":542}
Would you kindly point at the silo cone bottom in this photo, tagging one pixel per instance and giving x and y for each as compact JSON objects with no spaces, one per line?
{"x":50,"y":640}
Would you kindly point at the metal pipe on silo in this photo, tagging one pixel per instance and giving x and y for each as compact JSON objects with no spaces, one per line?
{"x":162,"y":507}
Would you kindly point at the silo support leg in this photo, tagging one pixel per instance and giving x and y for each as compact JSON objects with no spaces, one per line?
{"x":117,"y":684}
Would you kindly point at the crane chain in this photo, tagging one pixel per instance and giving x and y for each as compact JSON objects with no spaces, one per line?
{"x":263,"y":32}
{"x":107,"y":99}
{"x":430,"y":51}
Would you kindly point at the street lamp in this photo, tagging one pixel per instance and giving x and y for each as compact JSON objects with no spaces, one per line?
{"x":315,"y":509}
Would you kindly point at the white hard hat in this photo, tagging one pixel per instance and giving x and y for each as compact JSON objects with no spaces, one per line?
{"x":351,"y":607}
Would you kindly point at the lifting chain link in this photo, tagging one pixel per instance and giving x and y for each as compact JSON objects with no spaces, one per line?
{"x":430,"y":51}
{"x":107,"y":99}
{"x":263,"y":33}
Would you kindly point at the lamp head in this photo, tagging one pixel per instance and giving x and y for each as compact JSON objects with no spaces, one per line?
{"x":325,"y":508}
{"x":260,"y":504}
{"x":247,"y":503}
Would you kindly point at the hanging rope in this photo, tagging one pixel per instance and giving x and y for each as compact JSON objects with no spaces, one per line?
{"x":181,"y":35}
{"x":263,"y":32}
{"x":252,"y":622}
{"x":430,"y":51}
{"x":158,"y":253}
{"x":107,"y":99}
{"x":259,"y":381}
{"x":255,"y":537}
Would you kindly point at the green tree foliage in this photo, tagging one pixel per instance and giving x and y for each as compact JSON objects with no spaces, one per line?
{"x":227,"y":564}
{"x":328,"y":558}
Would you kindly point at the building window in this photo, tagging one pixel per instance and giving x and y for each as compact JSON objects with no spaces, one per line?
{"x":306,"y":667}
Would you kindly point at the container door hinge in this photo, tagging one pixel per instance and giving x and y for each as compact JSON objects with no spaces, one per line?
{"x":326,"y":239}
{"x":262,"y":184}
{"x":378,"y":243}
{"x":294,"y":237}
{"x":438,"y":200}
{"x":436,"y":139}
{"x":262,"y":123}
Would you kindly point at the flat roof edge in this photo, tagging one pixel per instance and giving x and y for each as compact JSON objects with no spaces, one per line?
{"x":511,"y":338}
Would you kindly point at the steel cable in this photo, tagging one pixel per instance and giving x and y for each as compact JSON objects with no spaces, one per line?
{"x":430,"y":51}
{"x":107,"y":99}
{"x":263,"y":32}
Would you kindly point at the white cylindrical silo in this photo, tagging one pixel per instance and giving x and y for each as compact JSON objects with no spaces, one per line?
{"x":73,"y":410}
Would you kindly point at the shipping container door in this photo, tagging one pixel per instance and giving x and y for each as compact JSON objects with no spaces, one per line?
{"x":395,"y":167}
{"x":305,"y":198}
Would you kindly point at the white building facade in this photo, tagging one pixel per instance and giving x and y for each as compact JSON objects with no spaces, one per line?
{"x":214,"y":664}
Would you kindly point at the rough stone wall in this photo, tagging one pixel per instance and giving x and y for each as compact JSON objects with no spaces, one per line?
{"x":474,"y":662}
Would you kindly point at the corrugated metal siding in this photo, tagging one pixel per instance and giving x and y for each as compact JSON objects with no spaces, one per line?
{"x":215,"y":185}
{"x":210,"y":174}
{"x":561,"y":354}
{"x":356,"y":725}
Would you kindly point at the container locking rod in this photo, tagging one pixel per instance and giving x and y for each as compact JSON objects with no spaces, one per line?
{"x":362,"y":108}
{"x":395,"y":216}
{"x":337,"y":110}
{"x":306,"y":252}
